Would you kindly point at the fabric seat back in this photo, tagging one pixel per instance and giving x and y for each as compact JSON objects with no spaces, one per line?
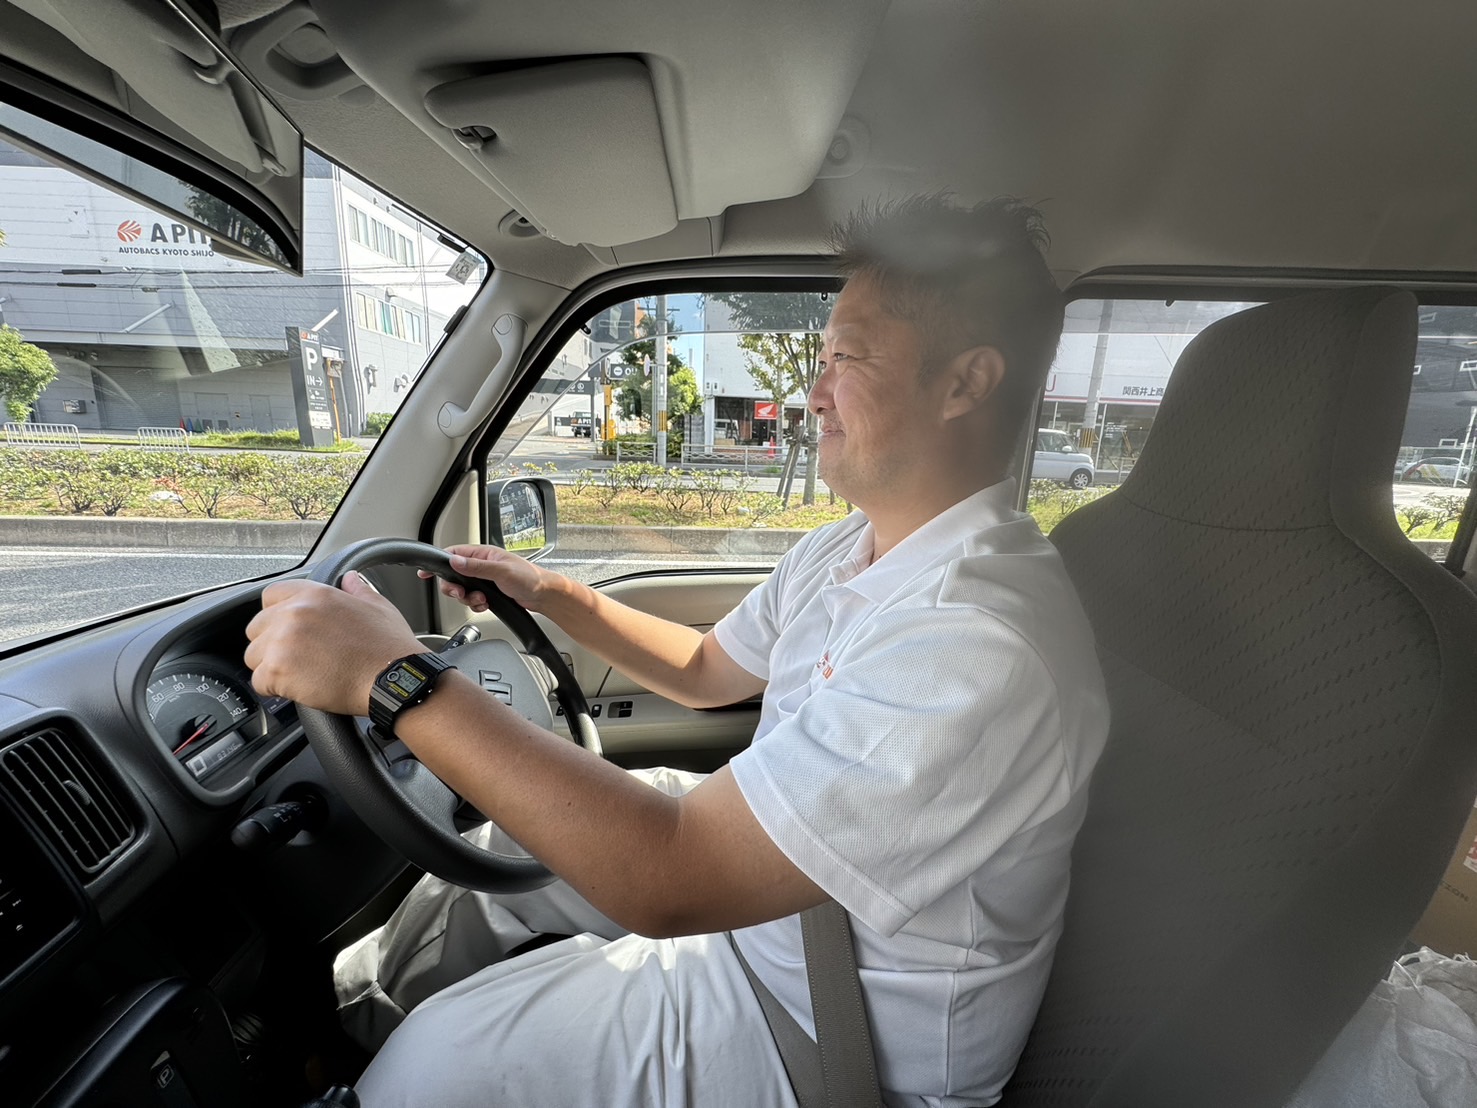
{"x":1293,"y":745}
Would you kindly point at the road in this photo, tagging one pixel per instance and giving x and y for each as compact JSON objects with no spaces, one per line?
{"x":48,"y":588}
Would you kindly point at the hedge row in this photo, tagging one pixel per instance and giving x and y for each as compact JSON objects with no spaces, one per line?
{"x":238,"y":485}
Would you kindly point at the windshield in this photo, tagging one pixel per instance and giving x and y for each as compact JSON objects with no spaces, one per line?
{"x":177,"y":417}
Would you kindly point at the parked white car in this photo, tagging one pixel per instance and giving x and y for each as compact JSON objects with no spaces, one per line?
{"x":1438,"y":469}
{"x":1058,"y":459}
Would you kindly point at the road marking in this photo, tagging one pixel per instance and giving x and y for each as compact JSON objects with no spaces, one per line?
{"x":107,"y":552}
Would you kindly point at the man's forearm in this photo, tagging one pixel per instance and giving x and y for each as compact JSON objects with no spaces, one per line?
{"x":668,"y":658}
{"x":657,"y":864}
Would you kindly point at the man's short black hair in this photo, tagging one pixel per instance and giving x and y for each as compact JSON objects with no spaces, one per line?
{"x":964,"y":277}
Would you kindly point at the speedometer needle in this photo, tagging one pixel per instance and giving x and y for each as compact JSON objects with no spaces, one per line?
{"x":204,"y":727}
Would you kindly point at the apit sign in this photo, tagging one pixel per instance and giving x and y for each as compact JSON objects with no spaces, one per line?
{"x":164,"y":240}
{"x":55,"y":220}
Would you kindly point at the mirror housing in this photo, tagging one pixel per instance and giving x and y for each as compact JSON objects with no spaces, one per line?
{"x":522,"y":515}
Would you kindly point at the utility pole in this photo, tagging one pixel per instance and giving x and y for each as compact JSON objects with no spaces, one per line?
{"x":1088,"y":436}
{"x":659,"y":382}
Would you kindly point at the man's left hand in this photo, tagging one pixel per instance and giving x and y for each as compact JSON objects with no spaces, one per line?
{"x":323,"y":646}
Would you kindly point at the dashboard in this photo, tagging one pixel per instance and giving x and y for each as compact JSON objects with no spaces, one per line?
{"x":128,"y":753}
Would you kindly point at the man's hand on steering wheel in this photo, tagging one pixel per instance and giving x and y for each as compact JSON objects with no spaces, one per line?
{"x":523,"y":582}
{"x":323,"y":646}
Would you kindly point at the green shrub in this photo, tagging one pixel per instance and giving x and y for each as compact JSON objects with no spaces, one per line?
{"x":312,"y":487}
{"x":376,"y":422}
{"x":761,"y":507}
{"x":1050,"y":503}
{"x":720,"y":490}
{"x":675,"y":490}
{"x":21,"y":479}
{"x":264,"y":440}
{"x":201,"y":481}
{"x":636,"y":476}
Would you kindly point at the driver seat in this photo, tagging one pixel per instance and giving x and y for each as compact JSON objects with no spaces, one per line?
{"x":1291,"y":755}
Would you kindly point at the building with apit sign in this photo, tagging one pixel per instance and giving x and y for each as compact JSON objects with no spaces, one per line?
{"x":150,"y":325}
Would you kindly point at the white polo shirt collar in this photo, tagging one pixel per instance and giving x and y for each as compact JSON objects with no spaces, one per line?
{"x":928,"y":545}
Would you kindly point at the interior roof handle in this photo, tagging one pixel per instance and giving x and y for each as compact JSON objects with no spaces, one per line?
{"x":455,"y":421}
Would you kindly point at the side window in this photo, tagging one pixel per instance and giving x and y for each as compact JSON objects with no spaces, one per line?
{"x":717,"y":473}
{"x":1116,"y":357}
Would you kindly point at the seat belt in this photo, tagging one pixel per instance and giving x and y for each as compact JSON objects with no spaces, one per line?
{"x":839,"y":1068}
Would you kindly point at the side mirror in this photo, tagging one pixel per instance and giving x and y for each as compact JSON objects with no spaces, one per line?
{"x":521,"y":515}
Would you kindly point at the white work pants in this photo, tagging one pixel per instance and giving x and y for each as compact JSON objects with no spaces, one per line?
{"x":604,"y":1018}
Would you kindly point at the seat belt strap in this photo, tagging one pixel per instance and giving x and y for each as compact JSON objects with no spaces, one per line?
{"x":838,"y":1069}
{"x":799,"y":1053}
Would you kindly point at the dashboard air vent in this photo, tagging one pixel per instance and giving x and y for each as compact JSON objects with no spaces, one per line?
{"x":66,"y":799}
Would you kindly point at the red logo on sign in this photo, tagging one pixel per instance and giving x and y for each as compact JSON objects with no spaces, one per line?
{"x":766,"y":409}
{"x":129,"y":230}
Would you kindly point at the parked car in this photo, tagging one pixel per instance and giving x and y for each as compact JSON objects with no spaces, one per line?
{"x":1438,"y":469}
{"x":1057,"y":458}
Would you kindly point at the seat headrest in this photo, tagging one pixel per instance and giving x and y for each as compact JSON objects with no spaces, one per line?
{"x":1285,"y":415}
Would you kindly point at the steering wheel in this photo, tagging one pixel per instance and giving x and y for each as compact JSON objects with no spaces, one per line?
{"x":402,"y":801}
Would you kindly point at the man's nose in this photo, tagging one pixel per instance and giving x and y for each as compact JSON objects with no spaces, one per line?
{"x":819,"y":399}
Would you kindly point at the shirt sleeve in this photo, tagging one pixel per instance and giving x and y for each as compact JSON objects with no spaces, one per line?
{"x":748,"y":633}
{"x":934,"y":741}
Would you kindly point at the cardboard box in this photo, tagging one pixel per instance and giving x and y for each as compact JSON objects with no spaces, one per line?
{"x":1450,"y":922}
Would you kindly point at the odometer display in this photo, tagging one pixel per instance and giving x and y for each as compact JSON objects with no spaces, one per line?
{"x":203,"y":717}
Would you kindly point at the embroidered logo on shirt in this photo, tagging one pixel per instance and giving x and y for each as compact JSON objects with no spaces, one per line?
{"x":824,"y":665}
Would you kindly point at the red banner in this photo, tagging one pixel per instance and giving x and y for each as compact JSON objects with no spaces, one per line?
{"x":766,"y":409}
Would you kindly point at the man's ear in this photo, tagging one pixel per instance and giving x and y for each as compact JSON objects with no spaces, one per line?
{"x":973,"y":376}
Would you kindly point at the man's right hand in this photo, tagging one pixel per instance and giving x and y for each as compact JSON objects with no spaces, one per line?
{"x":522,"y":581}
{"x":679,"y":662}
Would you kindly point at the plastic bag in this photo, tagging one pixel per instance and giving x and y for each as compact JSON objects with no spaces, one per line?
{"x":1413,"y":1044}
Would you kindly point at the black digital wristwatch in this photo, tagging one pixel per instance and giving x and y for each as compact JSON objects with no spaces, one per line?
{"x":403,"y":684}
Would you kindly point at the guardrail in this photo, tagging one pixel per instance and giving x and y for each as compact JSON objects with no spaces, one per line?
{"x":634,"y":451}
{"x":42,"y":434}
{"x":163,"y":438}
{"x":747,"y":458}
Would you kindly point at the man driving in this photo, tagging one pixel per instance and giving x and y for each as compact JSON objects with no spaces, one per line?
{"x":932,"y":710}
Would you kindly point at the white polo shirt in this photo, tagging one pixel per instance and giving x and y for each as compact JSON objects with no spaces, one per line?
{"x":928,"y":730}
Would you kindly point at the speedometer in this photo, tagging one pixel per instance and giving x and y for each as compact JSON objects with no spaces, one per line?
{"x":203,"y":717}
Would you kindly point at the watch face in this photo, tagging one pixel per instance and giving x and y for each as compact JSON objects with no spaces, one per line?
{"x":405,"y":680}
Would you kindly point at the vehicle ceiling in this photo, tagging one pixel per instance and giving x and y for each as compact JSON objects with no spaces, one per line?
{"x":1153,"y":133}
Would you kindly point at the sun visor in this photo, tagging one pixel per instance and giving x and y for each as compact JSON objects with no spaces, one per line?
{"x":575,"y":145}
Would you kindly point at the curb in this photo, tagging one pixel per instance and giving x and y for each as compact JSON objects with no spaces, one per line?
{"x":163,"y":534}
{"x":299,"y":535}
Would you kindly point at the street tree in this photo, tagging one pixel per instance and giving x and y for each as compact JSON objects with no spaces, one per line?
{"x":25,"y":371}
{"x":230,"y":223}
{"x":782,"y":347}
{"x":633,"y":399}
